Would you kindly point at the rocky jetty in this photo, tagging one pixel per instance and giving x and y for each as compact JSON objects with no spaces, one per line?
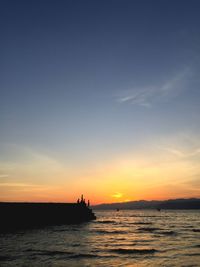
{"x":16,"y":216}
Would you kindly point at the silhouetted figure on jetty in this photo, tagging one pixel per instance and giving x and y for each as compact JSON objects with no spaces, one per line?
{"x":83,"y":202}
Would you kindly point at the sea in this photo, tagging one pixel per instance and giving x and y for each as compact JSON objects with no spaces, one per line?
{"x":115,"y":238}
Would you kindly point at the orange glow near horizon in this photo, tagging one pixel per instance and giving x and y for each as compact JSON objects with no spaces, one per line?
{"x":106,"y":194}
{"x":120,"y":180}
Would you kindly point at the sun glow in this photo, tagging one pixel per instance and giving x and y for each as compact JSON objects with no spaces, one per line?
{"x":117,"y":195}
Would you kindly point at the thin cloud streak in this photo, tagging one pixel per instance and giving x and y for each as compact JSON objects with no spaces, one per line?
{"x":141,"y":97}
{"x":181,"y":153}
{"x":183,"y":145}
{"x":148,"y":95}
{"x":4,"y":176}
{"x":18,"y":185}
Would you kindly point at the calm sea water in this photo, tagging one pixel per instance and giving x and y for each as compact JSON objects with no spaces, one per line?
{"x":124,"y":238}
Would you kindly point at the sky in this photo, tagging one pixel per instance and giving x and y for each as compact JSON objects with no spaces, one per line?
{"x":101,"y":98}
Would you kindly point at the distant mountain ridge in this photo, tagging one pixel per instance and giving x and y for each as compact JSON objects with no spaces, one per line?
{"x":191,"y":203}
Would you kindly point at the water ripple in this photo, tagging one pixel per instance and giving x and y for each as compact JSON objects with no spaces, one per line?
{"x":125,"y":238}
{"x":133,"y":251}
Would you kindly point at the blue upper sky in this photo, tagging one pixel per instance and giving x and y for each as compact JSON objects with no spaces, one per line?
{"x":88,"y":81}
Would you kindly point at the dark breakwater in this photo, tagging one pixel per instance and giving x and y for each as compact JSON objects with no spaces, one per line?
{"x":16,"y":216}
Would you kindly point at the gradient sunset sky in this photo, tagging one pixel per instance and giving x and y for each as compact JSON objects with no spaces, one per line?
{"x":100,"y":97}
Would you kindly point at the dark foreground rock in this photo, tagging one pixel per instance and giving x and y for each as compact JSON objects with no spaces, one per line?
{"x":16,"y":216}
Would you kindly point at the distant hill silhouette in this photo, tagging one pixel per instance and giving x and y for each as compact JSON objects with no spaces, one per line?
{"x":191,"y":203}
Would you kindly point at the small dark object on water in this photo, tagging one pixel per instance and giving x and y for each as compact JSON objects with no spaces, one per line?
{"x":117,"y":209}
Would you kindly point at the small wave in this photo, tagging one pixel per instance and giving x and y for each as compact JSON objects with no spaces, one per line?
{"x":143,"y":240}
{"x":106,"y":221}
{"x":125,"y":244}
{"x":134,"y":251}
{"x":187,"y":226}
{"x":111,"y":232}
{"x":149,"y":216}
{"x":192,"y":254}
{"x":5,"y":258}
{"x":121,"y":239}
{"x":141,"y":223}
{"x":62,"y":253}
{"x":61,"y":230}
{"x":49,"y":252}
{"x":196,"y":230}
{"x":196,"y":246}
{"x":66,"y":230}
{"x":166,"y":232}
{"x":76,"y":245}
{"x":56,"y":253}
{"x":83,"y":255}
{"x":148,"y":229}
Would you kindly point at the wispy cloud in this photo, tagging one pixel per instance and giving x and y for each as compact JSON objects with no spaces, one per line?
{"x":24,"y":166}
{"x":18,"y":185}
{"x":194,"y":182}
{"x":24,"y":187}
{"x":4,"y":176}
{"x":146,"y":96}
{"x":140,"y":97}
{"x":182,"y":154}
{"x":182,"y":145}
